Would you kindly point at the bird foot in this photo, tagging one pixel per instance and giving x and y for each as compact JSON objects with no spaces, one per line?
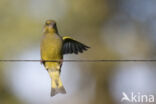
{"x":61,"y":61}
{"x":41,"y":61}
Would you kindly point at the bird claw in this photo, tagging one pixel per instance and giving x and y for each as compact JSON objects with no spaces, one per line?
{"x":41,"y":61}
{"x":61,"y":61}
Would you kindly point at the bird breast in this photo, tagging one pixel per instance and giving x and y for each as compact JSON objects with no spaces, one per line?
{"x":51,"y":46}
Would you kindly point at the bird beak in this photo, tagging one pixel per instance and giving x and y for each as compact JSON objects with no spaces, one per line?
{"x":50,"y":26}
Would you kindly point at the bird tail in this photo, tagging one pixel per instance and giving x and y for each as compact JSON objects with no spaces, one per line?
{"x":55,"y":91}
{"x":56,"y":83}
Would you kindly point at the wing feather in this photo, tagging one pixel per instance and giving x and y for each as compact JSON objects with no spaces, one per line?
{"x":76,"y":49}
{"x":72,"y":46}
{"x":80,"y":48}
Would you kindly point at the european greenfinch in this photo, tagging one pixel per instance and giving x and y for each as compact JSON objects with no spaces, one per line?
{"x":53,"y":47}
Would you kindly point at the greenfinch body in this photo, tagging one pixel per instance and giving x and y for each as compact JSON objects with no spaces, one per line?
{"x":53,"y":47}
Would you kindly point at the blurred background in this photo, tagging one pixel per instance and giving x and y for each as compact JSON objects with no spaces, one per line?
{"x":114,"y":29}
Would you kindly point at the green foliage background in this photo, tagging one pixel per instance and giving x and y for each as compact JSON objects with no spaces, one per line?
{"x":21,"y":23}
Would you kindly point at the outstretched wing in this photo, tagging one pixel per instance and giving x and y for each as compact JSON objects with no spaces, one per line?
{"x":72,"y":46}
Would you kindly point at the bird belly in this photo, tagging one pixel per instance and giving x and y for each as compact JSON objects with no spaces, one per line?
{"x":51,"y":47}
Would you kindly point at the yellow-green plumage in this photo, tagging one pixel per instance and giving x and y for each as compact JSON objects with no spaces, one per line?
{"x":53,"y":47}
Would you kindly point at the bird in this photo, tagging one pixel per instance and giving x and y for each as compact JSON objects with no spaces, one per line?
{"x":53,"y":47}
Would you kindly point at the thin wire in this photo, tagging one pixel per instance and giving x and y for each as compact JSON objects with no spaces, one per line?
{"x":115,"y":60}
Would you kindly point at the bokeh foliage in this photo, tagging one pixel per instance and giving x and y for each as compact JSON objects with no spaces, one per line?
{"x":21,"y":28}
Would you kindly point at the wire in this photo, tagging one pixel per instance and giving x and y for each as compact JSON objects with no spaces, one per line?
{"x":115,"y":60}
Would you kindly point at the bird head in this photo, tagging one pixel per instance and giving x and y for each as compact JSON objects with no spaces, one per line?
{"x":50,"y":26}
